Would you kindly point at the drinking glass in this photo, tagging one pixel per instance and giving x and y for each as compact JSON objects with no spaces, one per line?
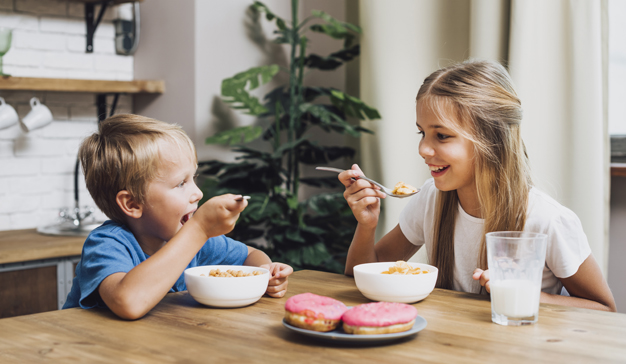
{"x":6,"y":35}
{"x":516,"y":260}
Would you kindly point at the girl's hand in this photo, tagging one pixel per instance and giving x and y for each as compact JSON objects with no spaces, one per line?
{"x":362,"y":197}
{"x":279,"y":272}
{"x":483,"y":276}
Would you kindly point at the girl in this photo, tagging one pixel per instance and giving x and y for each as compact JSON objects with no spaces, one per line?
{"x":469,"y":117}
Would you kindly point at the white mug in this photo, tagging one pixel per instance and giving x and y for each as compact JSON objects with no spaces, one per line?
{"x":38,"y":117}
{"x":8,"y":115}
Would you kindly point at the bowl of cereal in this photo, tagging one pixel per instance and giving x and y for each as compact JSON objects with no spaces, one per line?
{"x":395,"y":281}
{"x":226,"y":285}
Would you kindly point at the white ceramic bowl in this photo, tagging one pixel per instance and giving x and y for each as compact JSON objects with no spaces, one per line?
{"x":394,"y":288}
{"x":226,"y":291}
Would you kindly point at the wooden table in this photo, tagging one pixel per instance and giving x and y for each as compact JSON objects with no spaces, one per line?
{"x":181,"y":330}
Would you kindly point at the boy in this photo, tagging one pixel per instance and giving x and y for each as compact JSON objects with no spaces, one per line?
{"x":140,"y":172}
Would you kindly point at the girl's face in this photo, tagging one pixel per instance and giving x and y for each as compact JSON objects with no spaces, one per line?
{"x":449,"y":155}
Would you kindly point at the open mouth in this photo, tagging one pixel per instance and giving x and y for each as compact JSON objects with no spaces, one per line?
{"x":186,"y":218}
{"x":438,"y":169}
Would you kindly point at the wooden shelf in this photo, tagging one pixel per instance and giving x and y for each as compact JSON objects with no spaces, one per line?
{"x":115,"y":2}
{"x":71,"y":85}
{"x":618,"y":169}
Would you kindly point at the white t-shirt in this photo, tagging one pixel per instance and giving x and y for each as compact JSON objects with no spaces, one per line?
{"x":567,"y":245}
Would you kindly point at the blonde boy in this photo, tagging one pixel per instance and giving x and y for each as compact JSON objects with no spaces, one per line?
{"x":140,"y":172}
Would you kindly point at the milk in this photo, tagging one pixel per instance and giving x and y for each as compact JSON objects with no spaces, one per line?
{"x":515,"y":298}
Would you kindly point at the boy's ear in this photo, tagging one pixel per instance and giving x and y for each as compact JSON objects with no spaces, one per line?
{"x":128,"y":205}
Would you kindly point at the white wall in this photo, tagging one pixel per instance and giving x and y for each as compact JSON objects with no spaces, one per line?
{"x":194,"y":44}
{"x":36,"y":169}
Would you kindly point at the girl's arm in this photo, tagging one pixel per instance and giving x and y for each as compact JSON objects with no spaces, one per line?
{"x":587,"y":288}
{"x":392,"y":247}
{"x":364,"y":200}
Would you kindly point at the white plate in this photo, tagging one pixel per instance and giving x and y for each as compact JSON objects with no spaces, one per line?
{"x":339,"y":335}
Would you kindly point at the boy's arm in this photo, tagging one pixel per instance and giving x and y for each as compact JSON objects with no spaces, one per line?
{"x":279,"y":272}
{"x":256,"y":258}
{"x":131,"y":295}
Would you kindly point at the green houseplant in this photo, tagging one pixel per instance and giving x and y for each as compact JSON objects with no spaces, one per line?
{"x":314,"y":233}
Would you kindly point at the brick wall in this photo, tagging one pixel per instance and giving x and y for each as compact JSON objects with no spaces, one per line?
{"x":36,"y":169}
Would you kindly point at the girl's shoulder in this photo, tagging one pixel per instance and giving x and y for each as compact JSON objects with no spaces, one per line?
{"x":544,"y":211}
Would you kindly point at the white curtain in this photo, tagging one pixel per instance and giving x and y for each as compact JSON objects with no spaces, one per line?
{"x":556,"y":54}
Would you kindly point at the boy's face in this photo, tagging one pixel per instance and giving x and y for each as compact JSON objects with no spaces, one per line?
{"x":171,"y":198}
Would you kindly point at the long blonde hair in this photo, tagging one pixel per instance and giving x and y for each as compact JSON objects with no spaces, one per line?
{"x":477,"y":100}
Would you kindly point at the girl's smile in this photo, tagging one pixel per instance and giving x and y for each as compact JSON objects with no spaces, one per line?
{"x":437,"y":171}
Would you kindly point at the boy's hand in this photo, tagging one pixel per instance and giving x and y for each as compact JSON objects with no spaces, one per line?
{"x":218,"y":215}
{"x":279,"y":272}
{"x":483,"y":276}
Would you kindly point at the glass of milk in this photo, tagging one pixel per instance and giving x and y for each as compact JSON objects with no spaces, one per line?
{"x":516,"y":260}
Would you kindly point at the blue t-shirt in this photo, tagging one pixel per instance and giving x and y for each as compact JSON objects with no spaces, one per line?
{"x":112,"y":248}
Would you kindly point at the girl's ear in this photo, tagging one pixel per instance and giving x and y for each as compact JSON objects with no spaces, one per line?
{"x":128,"y":205}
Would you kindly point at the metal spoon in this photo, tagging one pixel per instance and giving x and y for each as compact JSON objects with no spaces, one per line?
{"x":386,"y":190}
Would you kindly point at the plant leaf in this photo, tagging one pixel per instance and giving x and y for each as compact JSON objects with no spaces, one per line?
{"x":315,"y":254}
{"x":260,"y":7}
{"x":335,"y":28}
{"x":325,"y":182}
{"x":353,"y":106}
{"x":244,"y":134}
{"x":234,"y":90}
{"x":331,"y":118}
{"x":334,"y":60}
{"x":317,"y":154}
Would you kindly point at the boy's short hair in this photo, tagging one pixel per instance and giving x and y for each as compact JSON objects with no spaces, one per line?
{"x":124,"y":155}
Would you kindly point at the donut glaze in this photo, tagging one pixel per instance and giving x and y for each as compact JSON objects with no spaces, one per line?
{"x":314,"y":306}
{"x":379,"y":314}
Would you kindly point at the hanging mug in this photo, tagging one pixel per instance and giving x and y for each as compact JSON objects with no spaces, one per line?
{"x":38,"y":117}
{"x":8,"y":115}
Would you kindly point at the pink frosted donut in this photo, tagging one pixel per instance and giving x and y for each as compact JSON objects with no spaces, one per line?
{"x":379,"y":318}
{"x":312,"y":312}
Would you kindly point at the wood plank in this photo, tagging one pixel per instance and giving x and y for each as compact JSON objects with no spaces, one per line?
{"x":618,"y":169}
{"x":26,"y":245}
{"x":181,"y":330}
{"x":28,"y":291}
{"x":71,"y":85}
{"x":100,"y":1}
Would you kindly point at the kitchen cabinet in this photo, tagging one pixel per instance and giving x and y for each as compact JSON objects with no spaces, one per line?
{"x":36,"y":271}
